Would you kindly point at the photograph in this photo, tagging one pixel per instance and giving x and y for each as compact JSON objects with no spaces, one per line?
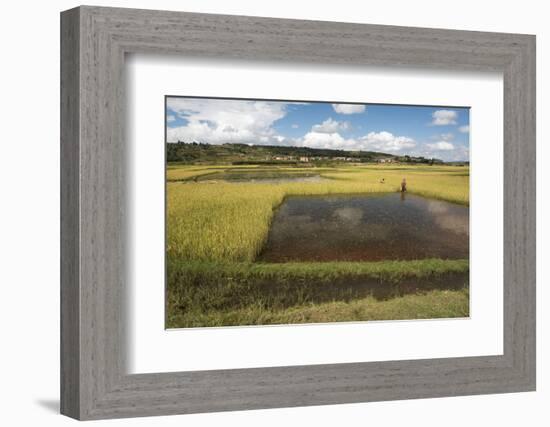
{"x":293,"y":212}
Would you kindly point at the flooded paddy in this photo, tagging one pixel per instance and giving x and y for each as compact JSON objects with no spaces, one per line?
{"x":265,"y":177}
{"x":394,"y":226}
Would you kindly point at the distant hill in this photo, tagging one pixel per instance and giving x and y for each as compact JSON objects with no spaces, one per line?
{"x":197,"y":153}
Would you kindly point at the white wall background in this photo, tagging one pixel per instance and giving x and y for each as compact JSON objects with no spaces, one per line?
{"x":29,"y":212}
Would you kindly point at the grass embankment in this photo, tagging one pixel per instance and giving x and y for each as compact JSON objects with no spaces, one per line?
{"x":431,"y":305}
{"x":204,"y":290}
{"x":215,"y":232}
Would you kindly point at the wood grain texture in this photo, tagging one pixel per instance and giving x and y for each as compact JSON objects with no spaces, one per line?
{"x":94,"y":231}
{"x":70,"y":220}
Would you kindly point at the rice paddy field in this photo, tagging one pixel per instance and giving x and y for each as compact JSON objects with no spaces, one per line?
{"x":218,"y":222}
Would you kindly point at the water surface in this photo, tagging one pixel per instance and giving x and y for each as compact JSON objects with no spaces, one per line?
{"x":262,"y":176}
{"x":393,"y":226}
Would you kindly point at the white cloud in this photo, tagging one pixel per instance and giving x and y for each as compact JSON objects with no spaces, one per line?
{"x":349,"y":108}
{"x":374,"y":141}
{"x":330,"y":126}
{"x":444,"y":117}
{"x":226,"y":121}
{"x":386,"y":141}
{"x":441,"y":146}
{"x":444,"y":137}
{"x":460,"y":153}
{"x":464,"y":129}
{"x":170,"y":118}
{"x":295,"y":126}
{"x":327,"y":140}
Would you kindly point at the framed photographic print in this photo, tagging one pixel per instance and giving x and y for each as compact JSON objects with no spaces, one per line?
{"x":261,"y":213}
{"x":308,"y":212}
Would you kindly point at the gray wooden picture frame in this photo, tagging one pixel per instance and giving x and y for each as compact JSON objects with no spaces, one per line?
{"x":94,"y":382}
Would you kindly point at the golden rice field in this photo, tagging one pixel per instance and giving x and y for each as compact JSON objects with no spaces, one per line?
{"x":217,"y":224}
{"x":225,"y":221}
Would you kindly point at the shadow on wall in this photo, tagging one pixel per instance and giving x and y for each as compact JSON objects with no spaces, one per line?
{"x":51,"y":405}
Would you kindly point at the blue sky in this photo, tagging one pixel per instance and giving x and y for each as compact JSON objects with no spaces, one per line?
{"x":441,"y":132}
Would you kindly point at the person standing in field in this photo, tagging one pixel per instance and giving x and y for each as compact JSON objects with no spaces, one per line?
{"x":403,"y":185}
